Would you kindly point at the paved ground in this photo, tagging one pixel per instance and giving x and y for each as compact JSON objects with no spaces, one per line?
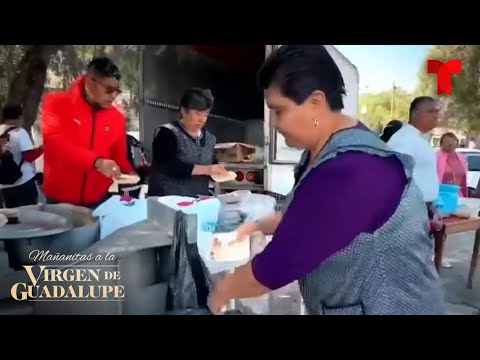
{"x":462,"y":301}
{"x":458,"y":251}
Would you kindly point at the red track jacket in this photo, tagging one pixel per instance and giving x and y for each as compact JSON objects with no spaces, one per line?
{"x":74,"y":137}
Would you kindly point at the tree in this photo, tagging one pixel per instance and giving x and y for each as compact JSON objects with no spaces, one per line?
{"x":24,"y":71}
{"x":462,"y":108}
{"x":10,"y":56}
{"x":427,"y":83}
{"x":72,"y":60}
{"x":28,"y":82}
{"x":380,"y":108}
{"x":466,"y":91}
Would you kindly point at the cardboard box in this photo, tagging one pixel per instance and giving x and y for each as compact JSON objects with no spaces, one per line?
{"x":235,"y":152}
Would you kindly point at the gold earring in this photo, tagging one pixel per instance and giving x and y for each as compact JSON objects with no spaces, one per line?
{"x":315,"y":122}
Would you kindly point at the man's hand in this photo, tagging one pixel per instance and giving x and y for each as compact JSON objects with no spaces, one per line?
{"x":108,"y":168}
{"x":4,"y":145}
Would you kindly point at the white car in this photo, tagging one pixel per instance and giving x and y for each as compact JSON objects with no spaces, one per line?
{"x":473,"y":160}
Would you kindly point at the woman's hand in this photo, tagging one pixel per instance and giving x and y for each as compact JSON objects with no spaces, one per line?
{"x":217,"y":170}
{"x":267,"y":226}
{"x":247,"y":229}
{"x":240,"y":284}
{"x":217,"y":303}
{"x":209,"y":170}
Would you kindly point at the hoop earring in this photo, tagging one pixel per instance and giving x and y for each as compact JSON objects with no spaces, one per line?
{"x":315,"y":122}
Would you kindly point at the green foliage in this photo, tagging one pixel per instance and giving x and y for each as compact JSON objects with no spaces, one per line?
{"x":72,"y":60}
{"x":427,"y":83}
{"x":66,"y":63}
{"x":378,"y":109}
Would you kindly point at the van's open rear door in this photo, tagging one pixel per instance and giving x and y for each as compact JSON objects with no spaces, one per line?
{"x":279,"y":177}
{"x":281,"y":159}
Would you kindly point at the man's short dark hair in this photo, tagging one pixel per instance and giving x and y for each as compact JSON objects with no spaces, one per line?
{"x":197,"y":99}
{"x":103,"y":67}
{"x":415,"y":104}
{"x":299,"y":70}
{"x":11,"y":112}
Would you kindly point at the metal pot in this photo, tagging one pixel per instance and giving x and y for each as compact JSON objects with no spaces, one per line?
{"x":84,"y":231}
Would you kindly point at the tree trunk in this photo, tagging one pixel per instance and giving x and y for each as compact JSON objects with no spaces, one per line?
{"x":28,"y":82}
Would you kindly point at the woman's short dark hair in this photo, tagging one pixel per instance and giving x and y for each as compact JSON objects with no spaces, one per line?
{"x":299,"y":70}
{"x":197,"y":99}
{"x":448,"y":135}
{"x":11,"y":112}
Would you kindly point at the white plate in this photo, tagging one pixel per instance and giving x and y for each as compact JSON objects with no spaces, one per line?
{"x":229,"y":177}
{"x":124,"y":179}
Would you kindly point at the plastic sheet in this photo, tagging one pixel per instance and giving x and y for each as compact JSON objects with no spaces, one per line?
{"x":116,"y":214}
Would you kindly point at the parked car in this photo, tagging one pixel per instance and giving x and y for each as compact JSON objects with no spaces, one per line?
{"x":473,"y":160}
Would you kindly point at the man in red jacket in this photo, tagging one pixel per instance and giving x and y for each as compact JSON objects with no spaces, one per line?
{"x":84,"y":138}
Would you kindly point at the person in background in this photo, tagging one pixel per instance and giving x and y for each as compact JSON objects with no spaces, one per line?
{"x":24,"y":191}
{"x":390,"y":129}
{"x":424,"y":115}
{"x":452,"y":166}
{"x":183,"y":151}
{"x":138,"y":160}
{"x":376,"y":262}
{"x":84,"y":138}
{"x":472,"y":144}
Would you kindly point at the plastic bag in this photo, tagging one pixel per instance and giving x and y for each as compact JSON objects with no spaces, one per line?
{"x":244,"y":207}
{"x":189,"y":283}
{"x":258,"y":206}
{"x":207,"y":211}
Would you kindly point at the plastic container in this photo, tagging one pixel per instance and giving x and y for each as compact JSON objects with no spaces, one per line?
{"x":448,"y":199}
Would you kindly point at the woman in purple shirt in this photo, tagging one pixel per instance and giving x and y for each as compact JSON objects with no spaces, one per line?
{"x":353,"y":193}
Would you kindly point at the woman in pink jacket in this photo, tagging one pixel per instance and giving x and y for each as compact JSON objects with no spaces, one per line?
{"x":451,"y":166}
